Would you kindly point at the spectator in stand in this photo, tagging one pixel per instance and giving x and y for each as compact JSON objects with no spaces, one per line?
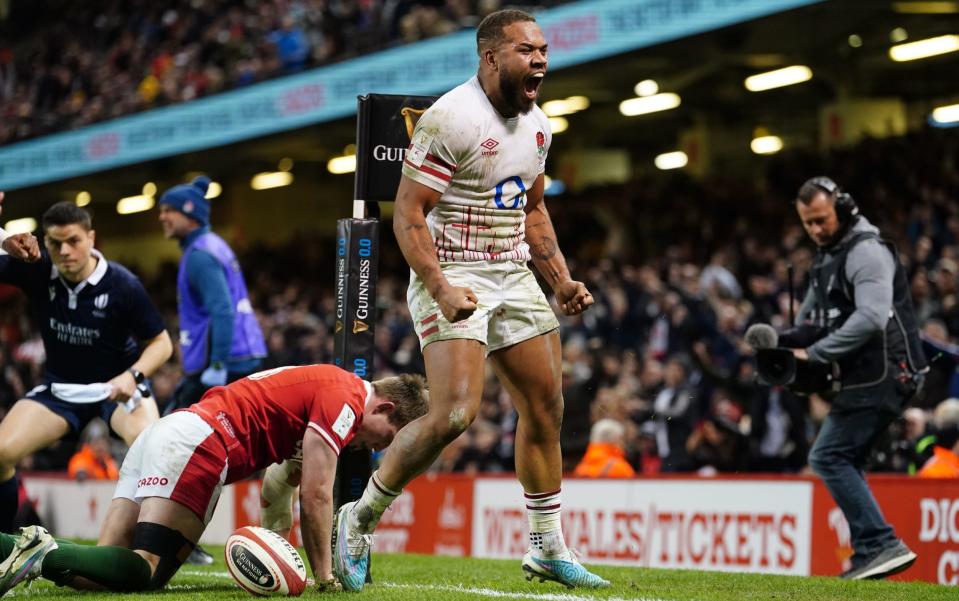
{"x":945,"y":460}
{"x":97,"y":61}
{"x":673,"y":417}
{"x":606,"y":454}
{"x":94,"y":461}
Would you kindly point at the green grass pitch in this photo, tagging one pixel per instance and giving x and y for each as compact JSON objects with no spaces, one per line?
{"x":419,"y":577}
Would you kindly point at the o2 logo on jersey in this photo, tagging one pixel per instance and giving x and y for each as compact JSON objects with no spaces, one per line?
{"x":513,"y":189}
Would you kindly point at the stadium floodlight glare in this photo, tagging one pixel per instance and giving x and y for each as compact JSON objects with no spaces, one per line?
{"x":135,"y":204}
{"x":911,"y":51}
{"x":855,"y":40}
{"x":83,"y":198}
{"x":565,"y":106}
{"x":342,"y":164}
{"x":671,"y":160}
{"x":647,"y":87}
{"x":24,"y":225}
{"x":286,"y":164}
{"x":946,"y":114}
{"x":577,"y":103}
{"x":149,"y":189}
{"x":925,"y":8}
{"x":766,"y":144}
{"x":778,"y":78}
{"x":558,"y":125}
{"x":898,"y":34}
{"x":649,"y":104}
{"x":214,"y":190}
{"x":271,"y":179}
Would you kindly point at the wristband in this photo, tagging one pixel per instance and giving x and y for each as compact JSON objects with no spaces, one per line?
{"x":138,"y":376}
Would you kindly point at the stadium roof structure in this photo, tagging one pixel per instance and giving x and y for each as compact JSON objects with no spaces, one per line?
{"x":845,"y":43}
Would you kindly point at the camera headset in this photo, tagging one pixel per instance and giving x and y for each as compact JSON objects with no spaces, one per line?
{"x":845,"y":205}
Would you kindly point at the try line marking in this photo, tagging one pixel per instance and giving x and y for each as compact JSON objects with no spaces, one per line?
{"x":481,"y":592}
{"x":496,"y":594}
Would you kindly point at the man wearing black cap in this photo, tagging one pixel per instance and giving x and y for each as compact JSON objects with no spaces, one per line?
{"x":859,"y":297}
{"x":220,"y":339}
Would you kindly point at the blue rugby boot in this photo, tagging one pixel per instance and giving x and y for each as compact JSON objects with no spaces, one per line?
{"x":568,"y":572}
{"x":351,"y":551}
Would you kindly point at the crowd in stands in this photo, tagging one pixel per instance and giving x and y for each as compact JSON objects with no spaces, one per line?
{"x":679,"y":269}
{"x":104,"y":59}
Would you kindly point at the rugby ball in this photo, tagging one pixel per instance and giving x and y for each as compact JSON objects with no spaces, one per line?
{"x":263,"y":563}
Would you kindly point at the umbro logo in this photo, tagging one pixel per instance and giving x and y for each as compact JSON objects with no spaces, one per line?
{"x":489,"y":145}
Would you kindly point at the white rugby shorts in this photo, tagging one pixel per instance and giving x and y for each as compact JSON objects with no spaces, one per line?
{"x":511,"y":307}
{"x":179,"y":458}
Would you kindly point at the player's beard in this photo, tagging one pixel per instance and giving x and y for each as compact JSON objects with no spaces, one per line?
{"x":514,"y":94}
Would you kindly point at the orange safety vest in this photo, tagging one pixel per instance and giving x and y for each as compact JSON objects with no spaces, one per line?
{"x":95,"y":468}
{"x":943,"y":464}
{"x":604,"y":460}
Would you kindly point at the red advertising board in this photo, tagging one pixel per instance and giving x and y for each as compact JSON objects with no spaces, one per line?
{"x":925,"y":514}
{"x":765,"y":524}
{"x":434,"y":515}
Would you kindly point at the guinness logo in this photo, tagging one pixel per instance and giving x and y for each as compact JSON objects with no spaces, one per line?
{"x":359,"y":326}
{"x":411,"y":116}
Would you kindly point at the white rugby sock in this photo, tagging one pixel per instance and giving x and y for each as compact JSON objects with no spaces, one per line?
{"x":375,"y":500}
{"x":545,"y":528}
{"x":276,"y":498}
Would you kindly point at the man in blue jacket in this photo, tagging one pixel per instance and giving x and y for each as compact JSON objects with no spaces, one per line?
{"x":220,"y":339}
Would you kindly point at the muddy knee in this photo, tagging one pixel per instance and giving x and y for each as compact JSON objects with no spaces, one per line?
{"x":448,"y":425}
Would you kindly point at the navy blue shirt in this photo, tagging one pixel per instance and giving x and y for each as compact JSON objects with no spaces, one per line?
{"x":90,"y":329}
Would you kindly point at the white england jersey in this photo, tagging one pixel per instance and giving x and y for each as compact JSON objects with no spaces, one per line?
{"x":483,"y":164}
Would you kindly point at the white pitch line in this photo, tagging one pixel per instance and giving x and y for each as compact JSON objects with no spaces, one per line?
{"x":202,"y":573}
{"x":488,"y":592}
{"x":483,"y":592}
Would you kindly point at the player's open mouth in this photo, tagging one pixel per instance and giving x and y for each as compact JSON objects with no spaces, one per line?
{"x":532,"y":83}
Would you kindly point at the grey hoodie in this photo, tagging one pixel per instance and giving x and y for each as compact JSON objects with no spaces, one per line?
{"x":870,"y":269}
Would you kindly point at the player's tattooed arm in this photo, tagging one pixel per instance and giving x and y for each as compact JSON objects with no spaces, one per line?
{"x":545,"y":247}
{"x":541,"y":238}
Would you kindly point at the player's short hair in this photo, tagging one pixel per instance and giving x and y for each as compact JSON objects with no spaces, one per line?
{"x":66,"y":213}
{"x":409,"y":392}
{"x":490,"y":31}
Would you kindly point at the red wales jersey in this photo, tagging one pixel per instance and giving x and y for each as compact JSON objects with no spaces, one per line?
{"x":263,"y":417}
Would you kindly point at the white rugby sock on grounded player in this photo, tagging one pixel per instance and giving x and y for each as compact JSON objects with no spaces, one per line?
{"x":276,"y":498}
{"x":375,"y":500}
{"x":545,"y":529}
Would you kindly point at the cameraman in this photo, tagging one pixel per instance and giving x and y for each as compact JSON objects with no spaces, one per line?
{"x":859,"y":299}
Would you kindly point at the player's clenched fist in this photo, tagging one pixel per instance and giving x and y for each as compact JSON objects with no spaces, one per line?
{"x":456,"y":303}
{"x":21,"y":246}
{"x":573,"y":297}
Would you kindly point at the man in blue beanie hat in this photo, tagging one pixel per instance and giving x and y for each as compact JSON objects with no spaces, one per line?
{"x":220,"y":339}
